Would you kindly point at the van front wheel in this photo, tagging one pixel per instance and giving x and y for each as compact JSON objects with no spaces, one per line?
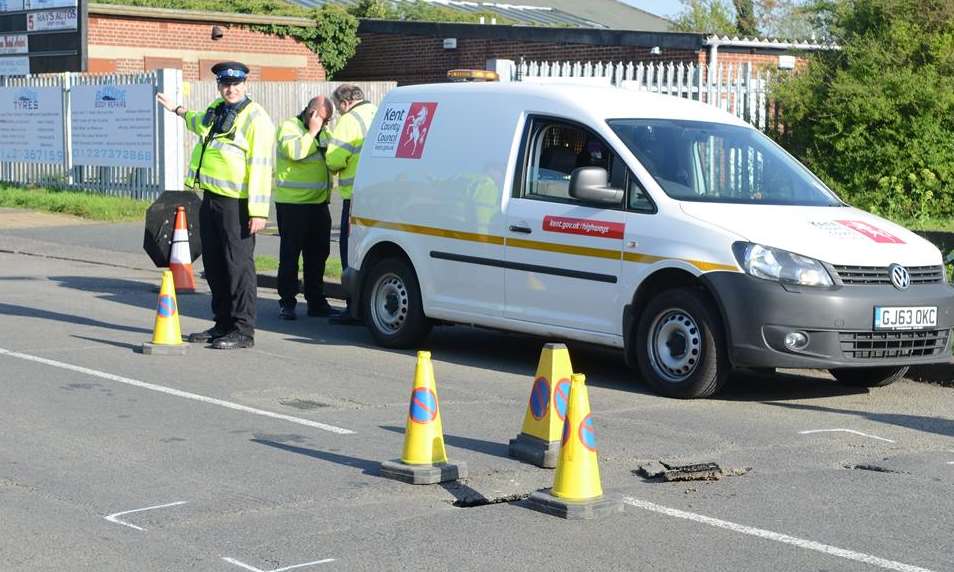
{"x":392,"y":305}
{"x":679,"y":345}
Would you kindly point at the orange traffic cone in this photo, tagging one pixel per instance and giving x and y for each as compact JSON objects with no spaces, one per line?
{"x":423,"y":460}
{"x":577,"y":492}
{"x":166,"y":336}
{"x":180,"y":258}
{"x":539,"y":440}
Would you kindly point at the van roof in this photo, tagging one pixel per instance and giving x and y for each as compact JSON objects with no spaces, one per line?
{"x":597,"y":102}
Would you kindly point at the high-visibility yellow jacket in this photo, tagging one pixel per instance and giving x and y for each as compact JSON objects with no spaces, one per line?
{"x":344,"y":146}
{"x":238,"y":163}
{"x":301,"y":176}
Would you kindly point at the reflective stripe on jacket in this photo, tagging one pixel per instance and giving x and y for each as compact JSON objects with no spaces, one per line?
{"x":344,"y":145}
{"x":236,"y":164}
{"x":301,"y":176}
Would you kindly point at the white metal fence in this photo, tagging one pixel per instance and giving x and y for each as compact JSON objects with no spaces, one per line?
{"x":172,"y":147}
{"x":737,"y":88}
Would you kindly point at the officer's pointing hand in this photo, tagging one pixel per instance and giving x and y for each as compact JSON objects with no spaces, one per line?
{"x":165,"y":101}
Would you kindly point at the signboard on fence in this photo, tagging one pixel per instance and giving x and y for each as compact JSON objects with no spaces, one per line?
{"x":31,"y":125}
{"x":113,"y":125}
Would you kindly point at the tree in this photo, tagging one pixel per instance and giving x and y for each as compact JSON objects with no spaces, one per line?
{"x":708,"y":16}
{"x":745,"y":18}
{"x":794,"y":19}
{"x":875,"y":119}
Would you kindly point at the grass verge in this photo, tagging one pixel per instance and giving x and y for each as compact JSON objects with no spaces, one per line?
{"x":86,"y":205}
{"x":266,"y":263}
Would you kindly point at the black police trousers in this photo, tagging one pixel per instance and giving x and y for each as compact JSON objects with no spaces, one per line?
{"x":305,"y":230}
{"x":228,"y":256}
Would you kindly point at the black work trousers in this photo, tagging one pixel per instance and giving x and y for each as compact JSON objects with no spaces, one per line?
{"x":228,"y":255}
{"x":305,"y":230}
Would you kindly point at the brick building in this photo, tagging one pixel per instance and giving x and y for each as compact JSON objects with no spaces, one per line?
{"x":423,"y":52}
{"x":126,"y":39}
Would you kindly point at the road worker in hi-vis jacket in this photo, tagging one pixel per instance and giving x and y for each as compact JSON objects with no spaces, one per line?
{"x":302,"y":189}
{"x":232,"y":166}
{"x":344,"y":149}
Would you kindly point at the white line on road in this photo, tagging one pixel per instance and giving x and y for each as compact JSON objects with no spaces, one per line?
{"x":176,"y":392}
{"x":852,"y":431}
{"x":777,"y":537}
{"x":112,"y":517}
{"x":254,"y":569}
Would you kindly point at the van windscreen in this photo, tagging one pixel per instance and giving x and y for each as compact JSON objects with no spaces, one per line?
{"x":714,"y":162}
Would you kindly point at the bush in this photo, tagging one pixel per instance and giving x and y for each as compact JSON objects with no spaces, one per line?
{"x":875,"y":119}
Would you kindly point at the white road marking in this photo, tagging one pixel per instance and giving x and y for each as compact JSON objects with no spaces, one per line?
{"x":254,"y":569}
{"x":777,"y":537}
{"x":177,"y":392}
{"x":950,"y":462}
{"x":112,"y":517}
{"x":852,"y":431}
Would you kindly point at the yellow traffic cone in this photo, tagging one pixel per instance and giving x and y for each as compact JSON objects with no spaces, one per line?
{"x":539,"y":440}
{"x":166,"y":336}
{"x":577,"y":492}
{"x":424,"y":459}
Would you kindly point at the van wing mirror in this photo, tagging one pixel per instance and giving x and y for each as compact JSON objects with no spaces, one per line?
{"x":591,"y":184}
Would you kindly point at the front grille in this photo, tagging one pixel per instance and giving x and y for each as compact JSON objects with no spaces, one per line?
{"x":879,"y":275}
{"x":881,"y":345}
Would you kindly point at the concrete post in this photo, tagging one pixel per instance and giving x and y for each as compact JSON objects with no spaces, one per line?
{"x":170,"y":134}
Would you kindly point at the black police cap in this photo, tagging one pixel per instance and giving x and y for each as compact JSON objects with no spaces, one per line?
{"x":230,"y":72}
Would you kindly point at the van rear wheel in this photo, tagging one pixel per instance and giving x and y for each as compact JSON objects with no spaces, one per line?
{"x":679,"y":345}
{"x":392,"y":305}
{"x":869,"y":376}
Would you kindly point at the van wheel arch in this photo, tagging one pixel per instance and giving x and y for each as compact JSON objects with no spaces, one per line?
{"x":652,"y":286}
{"x":379,"y":251}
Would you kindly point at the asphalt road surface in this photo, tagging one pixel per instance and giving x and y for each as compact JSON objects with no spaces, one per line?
{"x":268,"y":459}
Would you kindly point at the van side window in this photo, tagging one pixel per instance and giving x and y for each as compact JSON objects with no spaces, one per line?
{"x":555,"y":150}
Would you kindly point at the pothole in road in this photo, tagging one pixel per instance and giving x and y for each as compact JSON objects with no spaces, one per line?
{"x":659,"y":471}
{"x":303,"y":404}
{"x":875,"y":469}
{"x":481,"y":500}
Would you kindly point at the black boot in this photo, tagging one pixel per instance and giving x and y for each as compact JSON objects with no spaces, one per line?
{"x":233,"y":341}
{"x":207,"y":336}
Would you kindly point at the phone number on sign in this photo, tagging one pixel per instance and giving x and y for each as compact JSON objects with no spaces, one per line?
{"x":121,"y":154}
{"x":36,"y":155}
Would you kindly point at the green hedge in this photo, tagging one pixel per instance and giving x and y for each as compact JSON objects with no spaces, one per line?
{"x":875,"y":119}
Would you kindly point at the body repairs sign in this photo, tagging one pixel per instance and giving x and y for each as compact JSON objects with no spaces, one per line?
{"x":403,"y":131}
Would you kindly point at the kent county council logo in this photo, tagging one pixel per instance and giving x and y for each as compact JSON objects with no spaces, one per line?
{"x":110,"y":96}
{"x":26,"y":100}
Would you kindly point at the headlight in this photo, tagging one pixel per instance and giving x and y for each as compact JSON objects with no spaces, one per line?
{"x":781,"y":266}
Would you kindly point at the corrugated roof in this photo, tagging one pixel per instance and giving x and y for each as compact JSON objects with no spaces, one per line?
{"x":524,"y":13}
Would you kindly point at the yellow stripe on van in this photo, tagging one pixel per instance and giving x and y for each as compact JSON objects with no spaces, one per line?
{"x":429,"y":231}
{"x":537,"y":245}
{"x":564,"y":248}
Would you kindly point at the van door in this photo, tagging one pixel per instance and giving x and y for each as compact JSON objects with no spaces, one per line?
{"x":563,"y":255}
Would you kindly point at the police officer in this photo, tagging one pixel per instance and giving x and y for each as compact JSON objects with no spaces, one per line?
{"x":344,"y":148}
{"x":301,"y":200}
{"x":232,"y":166}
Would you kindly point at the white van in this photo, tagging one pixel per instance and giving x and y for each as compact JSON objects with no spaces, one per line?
{"x":664,"y":227}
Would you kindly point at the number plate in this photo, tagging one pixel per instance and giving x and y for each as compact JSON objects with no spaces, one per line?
{"x":905,"y":317}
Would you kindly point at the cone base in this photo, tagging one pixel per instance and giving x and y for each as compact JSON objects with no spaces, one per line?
{"x":151,"y":349}
{"x":588,"y":509}
{"x":423,"y":474}
{"x":535,"y":451}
